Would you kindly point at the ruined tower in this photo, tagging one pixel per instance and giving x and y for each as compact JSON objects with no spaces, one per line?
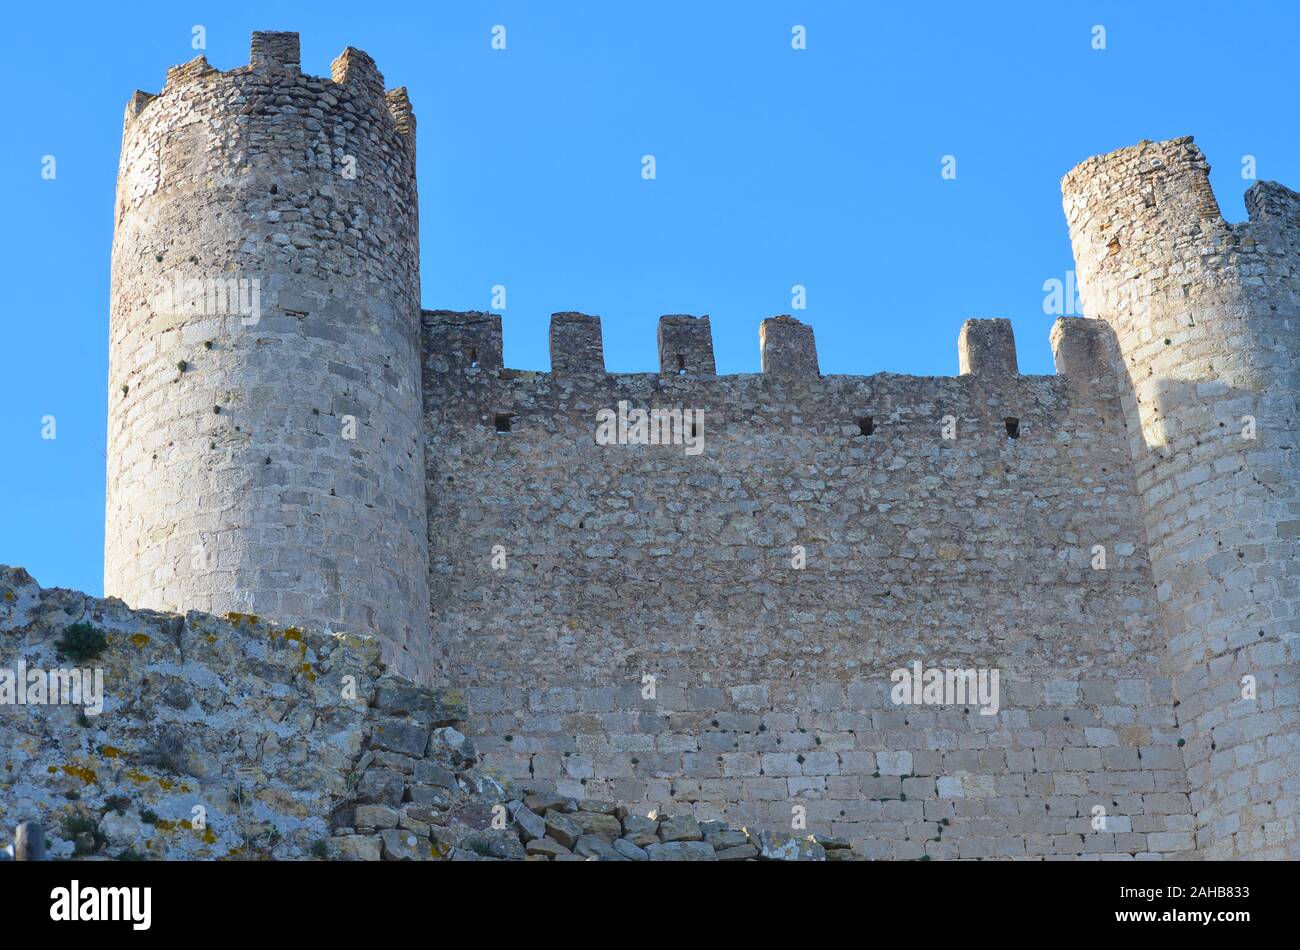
{"x":264,"y":450}
{"x":1207,"y":319}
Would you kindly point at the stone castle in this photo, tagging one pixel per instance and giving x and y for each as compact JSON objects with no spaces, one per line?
{"x":704,"y":613}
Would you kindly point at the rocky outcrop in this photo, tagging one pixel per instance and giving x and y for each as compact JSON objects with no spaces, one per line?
{"x":135,"y":734}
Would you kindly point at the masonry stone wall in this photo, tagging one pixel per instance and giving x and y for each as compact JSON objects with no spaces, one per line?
{"x":1207,"y":316}
{"x":264,"y":451}
{"x":564,"y":571}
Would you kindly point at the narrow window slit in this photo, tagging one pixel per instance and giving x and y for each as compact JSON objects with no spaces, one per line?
{"x":473,"y":359}
{"x":681,"y":364}
{"x":1013,"y":427}
{"x":502,"y":421}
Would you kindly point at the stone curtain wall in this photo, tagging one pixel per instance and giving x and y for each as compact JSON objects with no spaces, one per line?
{"x":771,"y":687}
{"x":1207,"y":315}
{"x":269,"y":462}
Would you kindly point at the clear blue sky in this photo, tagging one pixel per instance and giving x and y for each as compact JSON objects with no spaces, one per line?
{"x":775,"y":167}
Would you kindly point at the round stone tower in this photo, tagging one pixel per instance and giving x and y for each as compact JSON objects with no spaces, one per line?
{"x":264,"y":430}
{"x":1206,"y":315}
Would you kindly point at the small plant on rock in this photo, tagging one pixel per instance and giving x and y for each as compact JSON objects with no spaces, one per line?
{"x":84,"y":834}
{"x":82,"y":641}
{"x":167,"y":751}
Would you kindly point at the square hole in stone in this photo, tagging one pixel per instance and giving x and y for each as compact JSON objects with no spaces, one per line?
{"x":502,"y":421}
{"x":866,"y":425}
{"x":1013,"y":427}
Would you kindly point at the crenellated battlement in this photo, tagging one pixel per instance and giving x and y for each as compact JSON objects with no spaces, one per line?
{"x":1166,"y":180}
{"x":576,"y":345}
{"x":196,"y":69}
{"x":357,"y":70}
{"x":456,"y":341}
{"x":1273,"y":208}
{"x":275,"y":57}
{"x":1269,"y":200}
{"x":787,"y":347}
{"x":274,"y":50}
{"x":1147,"y":215}
{"x":987,"y":348}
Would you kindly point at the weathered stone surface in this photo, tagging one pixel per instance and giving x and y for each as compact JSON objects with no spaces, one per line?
{"x":562,"y":828}
{"x":600,"y":825}
{"x":590,"y":846}
{"x":780,"y":846}
{"x":355,"y":848}
{"x":381,"y":785}
{"x":727,"y":839}
{"x":841,"y":854}
{"x":436,"y":707}
{"x":546,"y":847}
{"x":531,"y":825}
{"x":641,"y":830}
{"x":399,"y":736}
{"x":422,"y":828}
{"x":831,"y":844}
{"x":433,"y":796}
{"x":680,"y":829}
{"x":424,"y":813}
{"x":681,"y":851}
{"x":741,"y":852}
{"x":493,"y":844}
{"x":400,"y":845}
{"x":540,"y":804}
{"x":430,"y":773}
{"x":371,"y":817}
{"x":630,"y":851}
